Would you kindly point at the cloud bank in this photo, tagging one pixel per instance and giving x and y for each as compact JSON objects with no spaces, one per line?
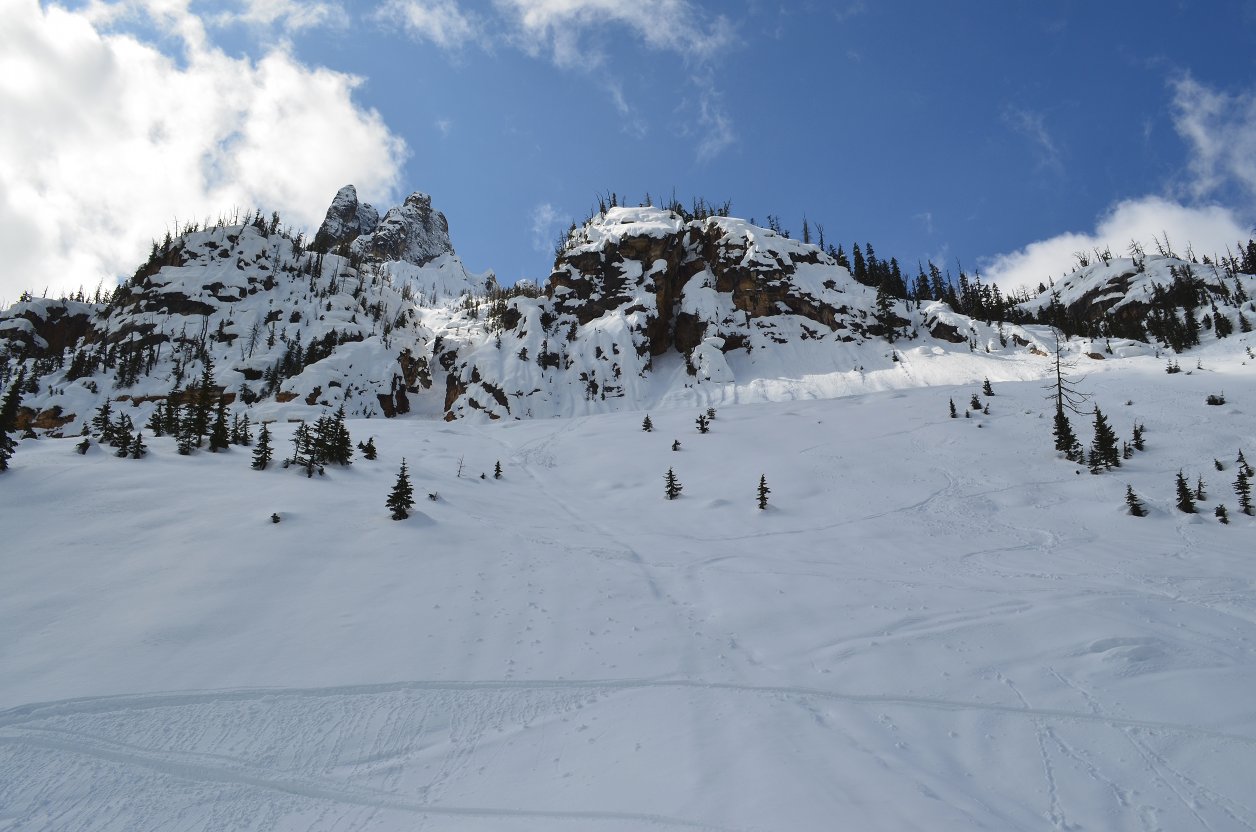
{"x":106,"y":141}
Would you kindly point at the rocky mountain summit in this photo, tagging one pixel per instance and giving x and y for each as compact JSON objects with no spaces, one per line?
{"x":645,"y":307}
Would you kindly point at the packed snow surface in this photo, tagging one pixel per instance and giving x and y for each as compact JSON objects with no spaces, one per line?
{"x":936,"y":624}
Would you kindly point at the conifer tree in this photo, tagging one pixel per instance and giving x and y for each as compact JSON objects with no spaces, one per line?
{"x":704,"y":424}
{"x":8,"y":418}
{"x":368,"y":450}
{"x":246,"y":431}
{"x":1216,"y":463}
{"x":1222,"y":515}
{"x":954,"y":412}
{"x":121,"y":435}
{"x":764,"y":491}
{"x":1105,"y":442}
{"x":675,"y":444}
{"x":84,"y":445}
{"x":986,"y":389}
{"x":219,"y":439}
{"x":185,"y":441}
{"x":646,"y":424}
{"x":1185,"y":502}
{"x":138,"y":448}
{"x":497,"y":470}
{"x":1242,"y":463}
{"x":203,"y":403}
{"x":102,"y":422}
{"x":710,"y":413}
{"x":157,"y":420}
{"x":401,"y":498}
{"x":672,"y":485}
{"x":1200,"y":494}
{"x":171,"y":414}
{"x":262,"y":453}
{"x":1139,"y":445}
{"x":1243,"y":488}
{"x":974,"y":403}
{"x":1131,"y":500}
{"x":1065,"y":439}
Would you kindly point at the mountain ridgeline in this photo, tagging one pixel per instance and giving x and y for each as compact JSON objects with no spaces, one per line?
{"x":646,"y":307}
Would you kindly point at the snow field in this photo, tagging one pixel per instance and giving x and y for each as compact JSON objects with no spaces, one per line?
{"x":936,"y":624}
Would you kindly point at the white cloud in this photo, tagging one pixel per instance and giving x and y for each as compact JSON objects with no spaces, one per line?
{"x":288,"y":15}
{"x":442,"y":22}
{"x":716,"y":123}
{"x":1208,"y":229}
{"x":1221,"y":132}
{"x":105,"y":141}
{"x":671,"y":25}
{"x":545,"y":221}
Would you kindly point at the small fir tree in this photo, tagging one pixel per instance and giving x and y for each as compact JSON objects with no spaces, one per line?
{"x":646,"y":424}
{"x":368,"y":450}
{"x":704,"y":424}
{"x":1243,"y":488}
{"x":974,"y":403}
{"x":1065,"y":439}
{"x":1200,"y":494}
{"x":675,"y":444}
{"x":986,"y":389}
{"x":711,"y":413}
{"x":401,"y":498}
{"x":497,"y":470}
{"x":157,"y":421}
{"x":83,"y":446}
{"x":219,"y":438}
{"x":1241,"y":461}
{"x":1139,"y":445}
{"x":262,"y":454}
{"x":764,"y":491}
{"x":1105,"y":442}
{"x":986,"y":409}
{"x":1222,"y":515}
{"x":1216,"y":463}
{"x":672,"y":485}
{"x":1185,"y":501}
{"x":138,"y":448}
{"x":8,"y":418}
{"x":954,"y":412}
{"x":1131,"y":500}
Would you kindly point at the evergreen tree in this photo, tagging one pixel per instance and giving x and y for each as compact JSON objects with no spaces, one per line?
{"x":203,"y":403}
{"x":646,"y":424}
{"x":1243,"y":488}
{"x":1200,"y":494}
{"x":1242,"y":463}
{"x":1222,"y":515}
{"x":84,"y":445}
{"x":401,"y":498}
{"x":368,"y":450}
{"x":157,"y":421}
{"x":185,"y":441}
{"x":974,"y":403}
{"x":1065,"y":439}
{"x":102,"y":422}
{"x":138,"y":448}
{"x":1185,"y":502}
{"x":8,"y":418}
{"x":1216,"y":463}
{"x":675,"y":444}
{"x":1138,"y":437}
{"x":1105,"y":442}
{"x":986,"y":389}
{"x":711,"y":413}
{"x":672,"y":485}
{"x":704,"y":424}
{"x":497,"y":470}
{"x":764,"y":491}
{"x":1131,"y":500}
{"x":246,"y":431}
{"x":262,"y":453}
{"x":954,"y":412}
{"x":219,"y":439}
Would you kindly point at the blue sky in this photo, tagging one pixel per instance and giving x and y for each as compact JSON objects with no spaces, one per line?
{"x":1000,"y":135}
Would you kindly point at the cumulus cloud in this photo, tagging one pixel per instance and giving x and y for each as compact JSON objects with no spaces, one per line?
{"x":1220,"y":130}
{"x":442,"y":22}
{"x":1208,"y":229}
{"x":106,"y":140}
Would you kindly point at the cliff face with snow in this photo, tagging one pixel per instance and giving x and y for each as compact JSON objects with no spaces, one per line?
{"x":645,"y":308}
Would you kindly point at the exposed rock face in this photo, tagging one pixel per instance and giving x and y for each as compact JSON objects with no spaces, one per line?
{"x":346,"y":220}
{"x":412,"y":232}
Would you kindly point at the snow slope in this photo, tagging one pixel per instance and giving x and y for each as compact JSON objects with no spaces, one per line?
{"x":936,"y":625}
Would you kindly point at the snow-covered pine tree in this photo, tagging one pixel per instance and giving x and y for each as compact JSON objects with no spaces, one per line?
{"x":646,"y":424}
{"x":986,"y":389}
{"x":704,"y":424}
{"x":954,"y":412}
{"x":157,"y":420}
{"x":138,"y":448}
{"x":368,"y":450}
{"x":1185,"y":501}
{"x":974,"y":403}
{"x":1138,"y":437}
{"x":1241,"y":461}
{"x":672,"y":485}
{"x":497,"y":470}
{"x":1222,"y":515}
{"x":262,"y":453}
{"x":401,"y":498}
{"x":1131,"y":500}
{"x":8,"y":417}
{"x":1200,"y":493}
{"x":764,"y":491}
